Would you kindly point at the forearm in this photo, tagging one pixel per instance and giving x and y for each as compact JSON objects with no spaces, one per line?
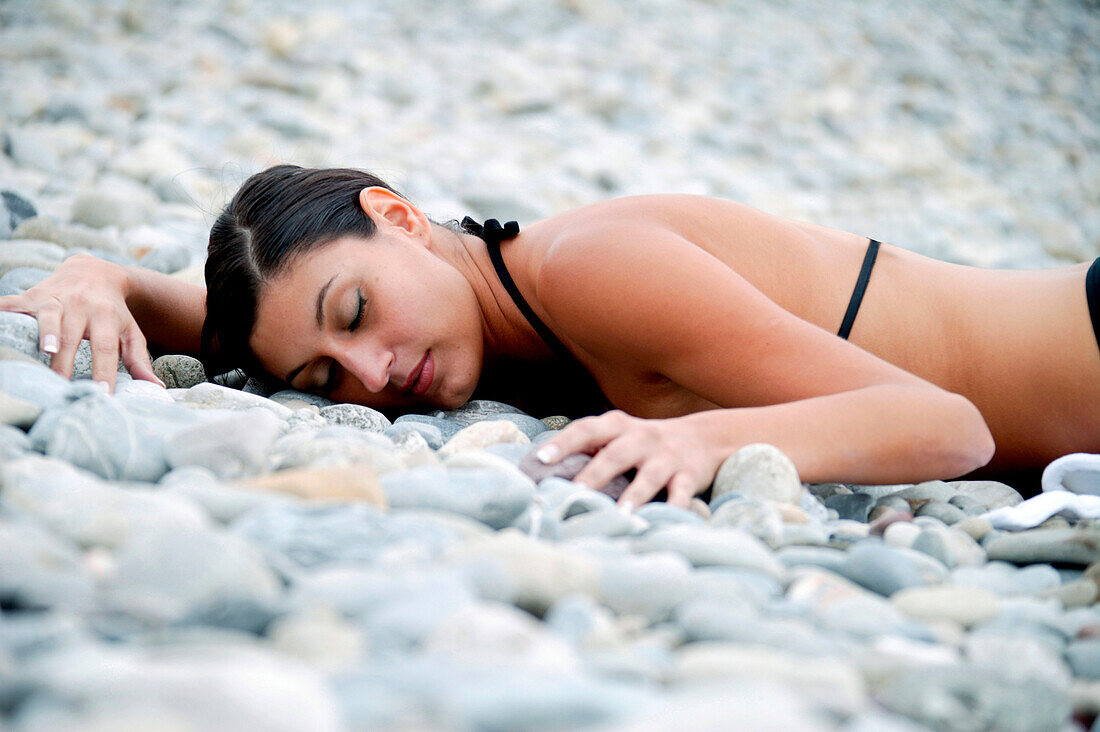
{"x":890,"y":433}
{"x":168,"y":311}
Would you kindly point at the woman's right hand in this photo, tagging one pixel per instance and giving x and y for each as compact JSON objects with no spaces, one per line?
{"x":85,"y":297}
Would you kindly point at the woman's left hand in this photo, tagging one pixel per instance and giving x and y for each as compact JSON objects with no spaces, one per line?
{"x":668,"y":453}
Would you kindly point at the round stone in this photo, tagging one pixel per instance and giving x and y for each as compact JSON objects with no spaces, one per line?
{"x":966,"y":606}
{"x":759,"y":471}
{"x":356,"y":415}
{"x":178,"y":371}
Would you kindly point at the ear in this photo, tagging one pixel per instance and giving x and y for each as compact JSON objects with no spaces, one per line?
{"x":386,"y":207}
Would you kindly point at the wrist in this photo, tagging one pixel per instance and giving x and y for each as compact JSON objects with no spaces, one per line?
{"x":712,"y":429}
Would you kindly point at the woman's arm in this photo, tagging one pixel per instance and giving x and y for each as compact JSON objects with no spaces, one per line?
{"x":115,"y":308}
{"x":649,"y":298}
{"x":170,"y":312}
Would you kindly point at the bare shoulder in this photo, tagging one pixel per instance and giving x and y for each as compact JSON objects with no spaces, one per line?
{"x":635,"y":291}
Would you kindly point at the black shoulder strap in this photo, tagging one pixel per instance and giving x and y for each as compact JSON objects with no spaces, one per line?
{"x":861,"y":287}
{"x":493,"y":234}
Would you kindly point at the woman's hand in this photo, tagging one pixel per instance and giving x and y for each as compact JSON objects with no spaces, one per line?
{"x":85,"y":297}
{"x":668,"y":453}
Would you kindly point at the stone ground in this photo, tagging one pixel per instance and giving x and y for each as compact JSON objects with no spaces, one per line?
{"x":212,"y":558}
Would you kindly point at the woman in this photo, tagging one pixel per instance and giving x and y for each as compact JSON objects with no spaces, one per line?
{"x":709,"y":324}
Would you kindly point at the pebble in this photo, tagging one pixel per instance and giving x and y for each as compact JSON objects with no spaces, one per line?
{"x":496,"y":498}
{"x":651,"y":585}
{"x":222,"y":502}
{"x":482,"y":434}
{"x":989,"y":494}
{"x":179,"y":372}
{"x":431,"y":434}
{"x":313,"y":535}
{"x":166,"y":572}
{"x":320,"y":637}
{"x":114,"y":203}
{"x":447,"y":428}
{"x":881,"y":568}
{"x":963,"y":605}
{"x":14,"y":210}
{"x":493,"y":635}
{"x":189,"y":685}
{"x":69,"y":236}
{"x":758,"y":471}
{"x":853,"y":507}
{"x":21,"y":279}
{"x":1084,"y":658}
{"x":1072,"y":546}
{"x":14,"y":411}
{"x":713,"y":547}
{"x":167,"y":258}
{"x":901,"y":534}
{"x":232,"y":446}
{"x":945,"y":512}
{"x":40,"y":570}
{"x":964,"y":697}
{"x":556,"y":422}
{"x":85,"y":509}
{"x":832,"y":680}
{"x":215,"y":396}
{"x":887,"y":517}
{"x":541,"y":573}
{"x":286,"y":397}
{"x":568,"y":468}
{"x":477,"y":410}
{"x":761,"y":518}
{"x":19,"y":333}
{"x":975,"y":526}
{"x":354,"y":484}
{"x":333,"y":447}
{"x":357,"y":416}
{"x":816,"y":556}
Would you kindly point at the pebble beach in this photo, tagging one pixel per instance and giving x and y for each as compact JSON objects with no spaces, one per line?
{"x":225,"y":555}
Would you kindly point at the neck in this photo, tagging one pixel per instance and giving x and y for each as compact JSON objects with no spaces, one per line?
{"x":506,"y":334}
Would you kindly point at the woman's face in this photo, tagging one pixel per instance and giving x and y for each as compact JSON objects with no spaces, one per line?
{"x":383,"y":322}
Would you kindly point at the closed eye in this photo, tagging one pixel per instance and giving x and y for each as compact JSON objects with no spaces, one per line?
{"x":358,"y":313}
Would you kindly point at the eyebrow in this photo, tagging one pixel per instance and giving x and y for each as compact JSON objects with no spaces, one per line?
{"x":320,"y":324}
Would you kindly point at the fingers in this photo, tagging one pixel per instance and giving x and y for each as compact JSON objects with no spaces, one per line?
{"x":14,"y":303}
{"x":104,"y":343}
{"x":70,"y":333}
{"x":650,"y":479}
{"x":681,"y":489}
{"x":49,"y":326}
{"x":583,"y":435}
{"x":135,"y":355}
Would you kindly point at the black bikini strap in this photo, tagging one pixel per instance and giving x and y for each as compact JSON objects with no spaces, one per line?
{"x":861,"y":287}
{"x":493,"y":234}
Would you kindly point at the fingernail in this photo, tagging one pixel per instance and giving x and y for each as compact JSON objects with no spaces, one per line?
{"x":547,"y":453}
{"x":49,"y":344}
{"x":627,"y":506}
{"x":104,"y":386}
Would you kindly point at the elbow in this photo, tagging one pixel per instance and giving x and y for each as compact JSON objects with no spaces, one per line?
{"x":969,"y":444}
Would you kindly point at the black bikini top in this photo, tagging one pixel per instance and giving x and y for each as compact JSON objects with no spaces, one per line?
{"x":582,"y":393}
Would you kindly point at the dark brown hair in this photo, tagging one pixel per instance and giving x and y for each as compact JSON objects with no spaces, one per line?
{"x":276,"y":215}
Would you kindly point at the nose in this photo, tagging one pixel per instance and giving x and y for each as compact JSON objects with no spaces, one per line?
{"x":370,"y":363}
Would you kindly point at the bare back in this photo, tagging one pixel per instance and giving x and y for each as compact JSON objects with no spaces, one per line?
{"x":1019,"y":344}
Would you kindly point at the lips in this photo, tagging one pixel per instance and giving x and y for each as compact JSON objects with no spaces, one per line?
{"x":420,"y":378}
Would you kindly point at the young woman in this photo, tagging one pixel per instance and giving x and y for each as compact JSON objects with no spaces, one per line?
{"x":707,"y":324}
